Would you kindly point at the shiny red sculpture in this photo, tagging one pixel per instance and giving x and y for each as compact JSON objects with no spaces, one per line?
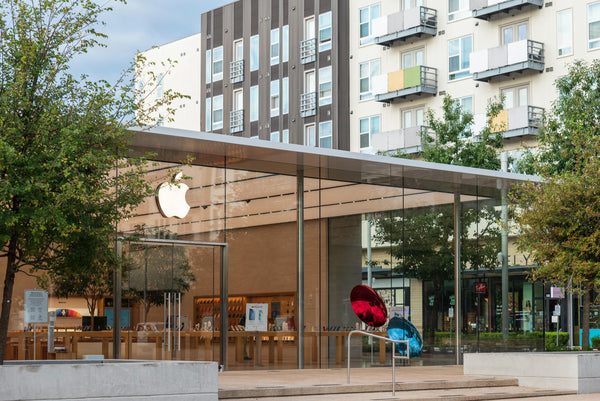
{"x":368,"y":306}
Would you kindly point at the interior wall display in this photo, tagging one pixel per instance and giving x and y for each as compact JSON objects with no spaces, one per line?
{"x":257,"y":317}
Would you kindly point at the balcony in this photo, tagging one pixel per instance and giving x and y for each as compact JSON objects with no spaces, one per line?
{"x":405,"y":140}
{"x":308,"y":104}
{"x":308,"y":51}
{"x":521,"y":56}
{"x":410,"y":82}
{"x":236,"y":71}
{"x":518,"y":121}
{"x":418,"y":22}
{"x":485,"y":9}
{"x":236,"y":121}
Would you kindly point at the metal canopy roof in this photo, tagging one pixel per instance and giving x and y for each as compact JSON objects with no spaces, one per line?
{"x":215,"y":150}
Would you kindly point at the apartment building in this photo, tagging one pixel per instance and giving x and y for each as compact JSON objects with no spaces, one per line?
{"x":406,"y":55}
{"x":277,"y":70}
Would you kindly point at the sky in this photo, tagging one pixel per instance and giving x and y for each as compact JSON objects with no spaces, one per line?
{"x":137,"y":26}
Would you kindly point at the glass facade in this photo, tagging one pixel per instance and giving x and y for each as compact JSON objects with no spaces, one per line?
{"x":258,"y":273}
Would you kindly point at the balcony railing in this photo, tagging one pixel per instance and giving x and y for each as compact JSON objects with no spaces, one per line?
{"x":503,"y":60}
{"x":405,"y":140}
{"x":236,"y":121}
{"x":414,"y":81}
{"x":485,"y":9}
{"x":308,"y":51}
{"x":236,"y":71}
{"x":418,"y":22}
{"x":518,"y":121}
{"x":308,"y":104}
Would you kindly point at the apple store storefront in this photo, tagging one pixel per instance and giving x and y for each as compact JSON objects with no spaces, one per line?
{"x":249,"y":257}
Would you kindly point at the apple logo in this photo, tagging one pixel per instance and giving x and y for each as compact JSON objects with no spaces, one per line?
{"x":170,"y":198}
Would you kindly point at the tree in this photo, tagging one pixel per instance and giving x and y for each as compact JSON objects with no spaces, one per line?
{"x":61,"y":142}
{"x":153,"y":269}
{"x":451,"y":139}
{"x":570,"y":130}
{"x":422,"y":241}
{"x":559,"y":223}
{"x":558,"y":220}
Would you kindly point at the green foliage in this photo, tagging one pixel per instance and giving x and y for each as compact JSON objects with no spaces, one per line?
{"x":570,"y":132}
{"x":451,"y":139}
{"x":65,"y":180}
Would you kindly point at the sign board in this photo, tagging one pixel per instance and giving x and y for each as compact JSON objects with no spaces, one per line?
{"x":36,"y":306}
{"x":557,"y":292}
{"x":480,"y":288}
{"x":257,"y":317}
{"x":554,"y":319}
{"x":557,"y":310}
{"x":451,"y":312}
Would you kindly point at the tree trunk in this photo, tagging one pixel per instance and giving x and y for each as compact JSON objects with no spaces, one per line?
{"x":9,"y":282}
{"x":585,"y":321}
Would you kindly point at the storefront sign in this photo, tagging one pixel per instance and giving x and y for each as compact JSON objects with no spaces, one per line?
{"x":256,"y":317}
{"x":36,"y":306}
{"x":480,"y":288}
{"x":557,"y":292}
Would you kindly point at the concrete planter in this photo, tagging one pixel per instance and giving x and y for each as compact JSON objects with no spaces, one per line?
{"x":109,"y":380}
{"x":578,"y":371}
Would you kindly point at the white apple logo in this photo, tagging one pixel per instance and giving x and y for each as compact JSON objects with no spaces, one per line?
{"x":170,"y":199}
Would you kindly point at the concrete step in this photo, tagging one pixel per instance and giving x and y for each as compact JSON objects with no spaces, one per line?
{"x":448,"y":394}
{"x":321,"y":389}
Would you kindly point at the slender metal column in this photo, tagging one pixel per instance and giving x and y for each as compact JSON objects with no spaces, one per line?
{"x":504,"y":218}
{"x":117,"y":302}
{"x":224,"y":318}
{"x":457,"y":276}
{"x":300,"y":225}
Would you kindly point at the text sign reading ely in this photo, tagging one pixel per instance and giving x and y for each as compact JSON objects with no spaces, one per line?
{"x":36,"y":306}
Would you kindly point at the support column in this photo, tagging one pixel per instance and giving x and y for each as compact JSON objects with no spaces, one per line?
{"x":300,"y":225}
{"x":117,"y":302}
{"x":224,"y":301}
{"x":504,"y":253}
{"x":457,"y":276}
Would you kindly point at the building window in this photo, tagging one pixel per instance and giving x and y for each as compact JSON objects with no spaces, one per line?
{"x":513,"y":33}
{"x":285,"y":95}
{"x":310,"y":135}
{"x":159,"y":86}
{"x":254,"y":103}
{"x":367,"y":15}
{"x":208,"y":114}
{"x":367,"y":71}
{"x":285,"y":136}
{"x":412,"y":118}
{"x":274,"y":136}
{"x":413,"y":58}
{"x":217,"y":114}
{"x":285,"y":45}
{"x":368,"y":127}
{"x":208,"y":66}
{"x":139,"y":93}
{"x":274,"y":46}
{"x":254,"y":53}
{"x":458,"y":57}
{"x":274,"y":98}
{"x":594,"y":25}
{"x":564,"y":32}
{"x":325,"y":31}
{"x":309,"y":28}
{"x":325,"y":86}
{"x":466,"y":104}
{"x":238,"y":50}
{"x":516,"y":96}
{"x":325,"y":134}
{"x":217,"y":65}
{"x":408,"y":4}
{"x":458,"y":9}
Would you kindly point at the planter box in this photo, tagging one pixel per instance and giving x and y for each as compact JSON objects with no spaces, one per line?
{"x":578,"y":371}
{"x":109,"y":380}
